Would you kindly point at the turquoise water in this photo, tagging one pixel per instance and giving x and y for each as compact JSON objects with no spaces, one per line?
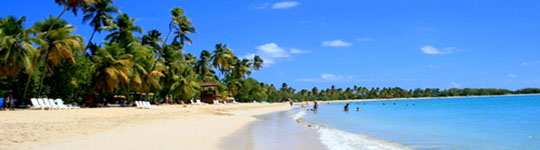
{"x":491,"y":123}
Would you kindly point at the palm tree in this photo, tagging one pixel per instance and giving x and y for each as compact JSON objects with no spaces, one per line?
{"x":122,"y":30}
{"x":74,"y":6}
{"x":202,"y":67}
{"x":222,"y":58}
{"x":241,"y":68}
{"x":151,"y":78}
{"x":56,"y":45}
{"x":257,"y":62}
{"x":185,"y":84}
{"x":112,"y":67}
{"x":153,"y":38}
{"x":190,"y":59}
{"x":16,"y":49}
{"x":99,"y":13}
{"x":182,"y":25}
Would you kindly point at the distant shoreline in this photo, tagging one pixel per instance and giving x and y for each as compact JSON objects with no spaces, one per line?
{"x":412,"y":98}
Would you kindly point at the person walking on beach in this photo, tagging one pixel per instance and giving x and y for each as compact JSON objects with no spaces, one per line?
{"x":10,"y":101}
{"x":346,"y":108}
{"x":291,"y":103}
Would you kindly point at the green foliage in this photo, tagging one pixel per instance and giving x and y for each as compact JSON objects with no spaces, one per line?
{"x":125,"y":64}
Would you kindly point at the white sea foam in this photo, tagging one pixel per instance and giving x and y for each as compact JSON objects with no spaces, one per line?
{"x":299,"y":115}
{"x":335,"y":139}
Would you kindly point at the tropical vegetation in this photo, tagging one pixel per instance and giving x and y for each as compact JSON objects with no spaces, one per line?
{"x":47,"y":59}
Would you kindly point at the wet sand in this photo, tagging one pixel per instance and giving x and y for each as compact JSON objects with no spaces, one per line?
{"x":273,"y":131}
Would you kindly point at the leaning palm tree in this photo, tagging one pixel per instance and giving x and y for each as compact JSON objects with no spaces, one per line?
{"x":69,"y":5}
{"x":222,"y":58}
{"x":99,"y":13}
{"x":16,"y":49}
{"x":182,"y":26}
{"x":56,"y":45}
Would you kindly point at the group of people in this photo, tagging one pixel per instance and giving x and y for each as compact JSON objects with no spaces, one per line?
{"x":7,"y":103}
{"x":346,"y":108}
{"x":316,"y":106}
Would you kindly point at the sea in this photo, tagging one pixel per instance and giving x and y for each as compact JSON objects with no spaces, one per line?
{"x":468,"y":123}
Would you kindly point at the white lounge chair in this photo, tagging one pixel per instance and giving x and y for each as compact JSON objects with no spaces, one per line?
{"x":234,"y":102}
{"x":138,"y":104}
{"x":53,"y":104}
{"x":148,"y":105}
{"x":199,"y":102}
{"x":46,"y":103}
{"x":191,"y":100}
{"x":41,"y":103}
{"x":60,"y":104}
{"x":35,"y":104}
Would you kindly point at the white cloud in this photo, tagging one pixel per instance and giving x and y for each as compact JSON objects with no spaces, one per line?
{"x":430,"y":50}
{"x":285,"y":4}
{"x":512,"y":75}
{"x":336,"y":43}
{"x":271,"y":53}
{"x":272,"y":50}
{"x":364,"y":39}
{"x":432,"y":66}
{"x":455,"y":84}
{"x":328,"y":77}
{"x":527,"y":64}
{"x":298,"y":51}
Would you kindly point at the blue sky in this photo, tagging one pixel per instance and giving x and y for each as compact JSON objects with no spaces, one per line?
{"x":372,"y":43}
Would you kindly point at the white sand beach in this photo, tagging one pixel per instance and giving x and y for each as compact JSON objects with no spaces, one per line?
{"x":167,"y":127}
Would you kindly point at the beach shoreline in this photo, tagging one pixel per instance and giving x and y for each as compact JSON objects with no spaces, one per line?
{"x":167,"y":127}
{"x":410,"y":98}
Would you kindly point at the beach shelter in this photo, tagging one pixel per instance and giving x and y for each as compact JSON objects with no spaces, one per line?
{"x":209,"y":92}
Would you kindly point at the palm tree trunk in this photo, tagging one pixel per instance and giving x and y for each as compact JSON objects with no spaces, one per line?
{"x":168,"y":34}
{"x":37,"y":58}
{"x":90,"y":41}
{"x":41,"y":81}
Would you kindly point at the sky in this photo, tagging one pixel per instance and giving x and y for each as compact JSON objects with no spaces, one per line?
{"x":371,"y":43}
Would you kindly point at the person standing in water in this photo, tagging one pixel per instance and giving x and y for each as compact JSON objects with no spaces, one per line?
{"x":315,"y":106}
{"x":346,"y":108}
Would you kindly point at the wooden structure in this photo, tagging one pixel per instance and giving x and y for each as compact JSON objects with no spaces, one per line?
{"x":209,"y":92}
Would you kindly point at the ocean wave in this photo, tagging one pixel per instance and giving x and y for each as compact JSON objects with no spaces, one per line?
{"x":299,"y":115}
{"x":335,"y":139}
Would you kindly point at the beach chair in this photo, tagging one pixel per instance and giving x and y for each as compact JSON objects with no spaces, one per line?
{"x":53,"y":104}
{"x":148,"y":105}
{"x":199,"y":102}
{"x":191,"y":100}
{"x":41,"y":103}
{"x":138,"y":104}
{"x":224,"y":102}
{"x":45,"y":103}
{"x":234,"y":102}
{"x":35,"y":104}
{"x":60,"y":104}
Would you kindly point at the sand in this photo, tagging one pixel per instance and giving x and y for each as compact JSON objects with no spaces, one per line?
{"x":167,"y":127}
